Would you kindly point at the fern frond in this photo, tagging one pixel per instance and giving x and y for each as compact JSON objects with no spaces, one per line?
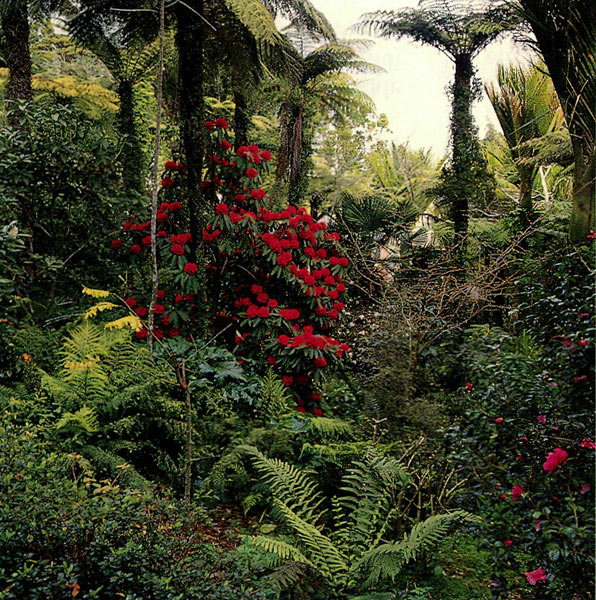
{"x":289,"y":485}
{"x":131,"y":321}
{"x":95,"y":293}
{"x":387,"y":560}
{"x":101,"y":306}
{"x":322,"y":551}
{"x":85,"y":418}
{"x":274,"y":398}
{"x":282,"y":550}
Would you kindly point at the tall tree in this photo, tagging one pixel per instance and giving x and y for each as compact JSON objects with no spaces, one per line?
{"x":527,"y":107}
{"x":460,"y":30}
{"x":319,"y":84}
{"x":565,"y":35}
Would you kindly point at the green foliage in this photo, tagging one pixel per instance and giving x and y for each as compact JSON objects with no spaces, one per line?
{"x":346,"y":549}
{"x":66,"y":206}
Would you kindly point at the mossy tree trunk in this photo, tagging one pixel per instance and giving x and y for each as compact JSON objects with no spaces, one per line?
{"x":190,"y":41}
{"x":132,"y":159}
{"x":15,"y":27}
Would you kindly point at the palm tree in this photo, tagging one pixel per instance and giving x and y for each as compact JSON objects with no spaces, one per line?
{"x":322,"y":84}
{"x":565,"y":34}
{"x":527,"y":108}
{"x":460,"y":30}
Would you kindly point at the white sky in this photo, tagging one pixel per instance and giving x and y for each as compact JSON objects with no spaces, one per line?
{"x":412,"y":93}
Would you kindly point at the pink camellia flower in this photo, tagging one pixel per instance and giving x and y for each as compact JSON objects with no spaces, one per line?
{"x":536,"y":576}
{"x":588,"y":442}
{"x":508,"y":543}
{"x":579,"y":378}
{"x":583,"y":315}
{"x":586,"y":487}
{"x":556,"y":458}
{"x":538,"y":524}
{"x":583,"y":343}
{"x":499,"y":420}
{"x":566,"y":343}
{"x":468,"y":386}
{"x":541,"y":419}
{"x":517,"y":491}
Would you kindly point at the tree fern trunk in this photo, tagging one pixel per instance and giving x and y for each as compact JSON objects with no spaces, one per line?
{"x":189,"y":39}
{"x":15,"y":27}
{"x":462,"y":139}
{"x":133,"y":164}
{"x":241,"y":119}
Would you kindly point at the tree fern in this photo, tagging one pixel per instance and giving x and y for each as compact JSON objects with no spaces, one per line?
{"x":282,"y":550}
{"x":83,"y":419}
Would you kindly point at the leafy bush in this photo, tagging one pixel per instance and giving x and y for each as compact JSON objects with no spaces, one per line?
{"x":63,"y":533}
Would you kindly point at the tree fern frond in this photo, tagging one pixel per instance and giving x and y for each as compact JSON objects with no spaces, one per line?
{"x":85,"y":419}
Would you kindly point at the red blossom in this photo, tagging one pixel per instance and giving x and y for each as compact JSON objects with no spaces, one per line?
{"x":516,"y":492}
{"x":556,"y":458}
{"x":191,"y":268}
{"x":116,"y":244}
{"x":536,"y":576}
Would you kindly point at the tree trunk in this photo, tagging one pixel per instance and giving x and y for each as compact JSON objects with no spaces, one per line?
{"x":526,"y":177}
{"x":189,"y":39}
{"x":15,"y":27}
{"x":565,"y":31}
{"x":462,"y":139}
{"x":241,"y":119}
{"x":132,"y":160}
{"x":584,"y":191}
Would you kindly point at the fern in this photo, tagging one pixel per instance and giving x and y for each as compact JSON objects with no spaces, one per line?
{"x":282,"y":550}
{"x":292,"y":488}
{"x":84,"y":419}
{"x":273,"y":396}
{"x":387,"y":560}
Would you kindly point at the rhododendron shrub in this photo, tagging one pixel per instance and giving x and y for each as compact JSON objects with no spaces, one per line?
{"x":277,"y":277}
{"x":177,"y":305}
{"x":275,"y":280}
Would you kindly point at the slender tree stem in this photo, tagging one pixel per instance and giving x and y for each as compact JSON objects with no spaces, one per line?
{"x":154,"y":269}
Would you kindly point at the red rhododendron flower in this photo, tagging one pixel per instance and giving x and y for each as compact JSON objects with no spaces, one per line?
{"x":508,"y":543}
{"x":289,"y":314}
{"x":191,"y":268}
{"x":177,"y":249}
{"x":301,"y":409}
{"x":258,"y":194}
{"x":262,"y":297}
{"x":251,"y":173}
{"x":536,"y":576}
{"x":178,"y":298}
{"x":159,"y":309}
{"x":210,"y":125}
{"x":222,"y":208}
{"x":135,"y":249}
{"x":517,"y":491}
{"x":160,"y":295}
{"x":221,"y":123}
{"x":288,"y":380}
{"x":283,"y":340}
{"x":225,"y":144}
{"x":272,"y":360}
{"x":175,"y":206}
{"x":131,"y":302}
{"x":167,"y":182}
{"x":272,"y":303}
{"x":315,"y":396}
{"x":285,"y":258}
{"x":583,"y":343}
{"x":141,"y":311}
{"x":263,"y":312}
{"x":556,"y":458}
{"x":320,"y":362}
{"x":116,"y":244}
{"x":141,"y":334}
{"x":146,"y":241}
{"x":317,"y":412}
{"x":468,"y":386}
{"x":266,"y":155}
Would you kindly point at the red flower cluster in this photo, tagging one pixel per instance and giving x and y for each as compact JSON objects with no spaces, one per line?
{"x":556,"y":458}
